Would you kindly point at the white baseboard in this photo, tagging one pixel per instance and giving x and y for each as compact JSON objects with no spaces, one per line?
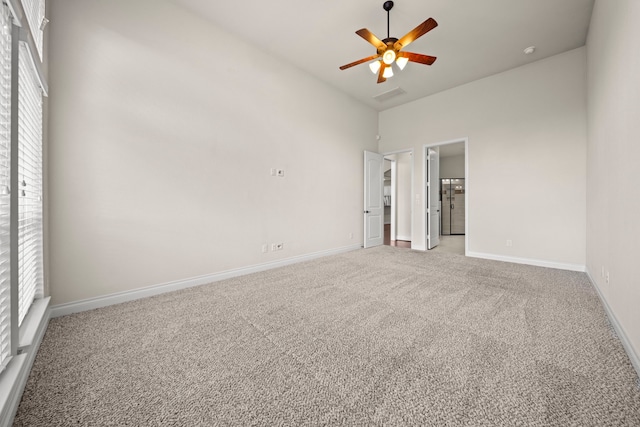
{"x":528,"y":261}
{"x":626,"y":343}
{"x":120,"y":297}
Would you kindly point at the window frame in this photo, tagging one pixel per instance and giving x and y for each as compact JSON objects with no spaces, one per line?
{"x":25,"y":339}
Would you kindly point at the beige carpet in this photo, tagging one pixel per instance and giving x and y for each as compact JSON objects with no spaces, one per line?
{"x":375,"y":337}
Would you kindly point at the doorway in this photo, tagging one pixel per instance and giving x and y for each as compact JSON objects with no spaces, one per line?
{"x":450,"y":197}
{"x":397,"y":190}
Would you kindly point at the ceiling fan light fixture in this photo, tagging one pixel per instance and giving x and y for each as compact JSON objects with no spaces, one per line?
{"x":402,"y":62}
{"x":390,"y":49}
{"x":389,"y":56}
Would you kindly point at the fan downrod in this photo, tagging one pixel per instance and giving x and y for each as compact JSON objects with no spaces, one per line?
{"x":388,"y":5}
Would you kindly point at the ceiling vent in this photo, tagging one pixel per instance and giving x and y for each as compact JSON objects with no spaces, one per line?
{"x":385,"y":96}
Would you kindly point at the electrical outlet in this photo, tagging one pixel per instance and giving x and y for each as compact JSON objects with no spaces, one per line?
{"x":607,"y":279}
{"x":351,"y":235}
{"x":273,"y":171}
{"x":509,"y":243}
{"x":602,"y":272}
{"x":265,"y":248}
{"x":280,"y":173}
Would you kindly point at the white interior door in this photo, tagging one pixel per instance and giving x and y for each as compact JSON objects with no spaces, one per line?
{"x":373,"y":199}
{"x":433,"y":198}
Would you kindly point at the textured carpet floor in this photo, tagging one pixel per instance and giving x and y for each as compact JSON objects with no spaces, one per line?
{"x":382,"y":336}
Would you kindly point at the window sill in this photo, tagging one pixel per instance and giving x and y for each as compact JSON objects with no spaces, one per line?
{"x":14,"y":378}
{"x":33,"y":322}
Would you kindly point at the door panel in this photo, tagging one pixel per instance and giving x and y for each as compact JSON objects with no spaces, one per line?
{"x":457,"y":211}
{"x":373,"y":200}
{"x":453,"y":206}
{"x":445,"y":216}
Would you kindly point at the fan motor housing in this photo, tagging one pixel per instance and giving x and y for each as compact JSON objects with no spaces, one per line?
{"x":390,"y":42}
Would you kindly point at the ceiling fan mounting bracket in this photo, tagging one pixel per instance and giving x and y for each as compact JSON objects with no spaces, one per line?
{"x":388,"y":5}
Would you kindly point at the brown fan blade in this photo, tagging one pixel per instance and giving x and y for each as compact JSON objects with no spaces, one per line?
{"x":381,"y":79}
{"x":419,"y":31}
{"x":418,"y":57}
{"x":371,"y":38}
{"x":359,"y":61}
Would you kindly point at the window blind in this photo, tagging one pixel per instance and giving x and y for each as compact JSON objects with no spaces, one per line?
{"x":30,"y":275}
{"x":34,"y":9}
{"x":5,"y":181}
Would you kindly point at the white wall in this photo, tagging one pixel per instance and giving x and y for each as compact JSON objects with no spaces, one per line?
{"x":527,"y":138}
{"x":160,"y":151}
{"x":452,"y":167}
{"x":613,"y":202}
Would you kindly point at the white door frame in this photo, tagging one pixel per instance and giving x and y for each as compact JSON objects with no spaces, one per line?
{"x":394,"y":194}
{"x":425,"y":151}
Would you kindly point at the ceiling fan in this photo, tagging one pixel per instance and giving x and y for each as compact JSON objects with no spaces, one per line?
{"x":390,"y":49}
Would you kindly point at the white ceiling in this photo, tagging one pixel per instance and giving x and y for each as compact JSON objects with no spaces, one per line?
{"x":474,"y":38}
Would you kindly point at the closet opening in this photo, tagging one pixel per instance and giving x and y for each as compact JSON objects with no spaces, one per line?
{"x":397,"y":181}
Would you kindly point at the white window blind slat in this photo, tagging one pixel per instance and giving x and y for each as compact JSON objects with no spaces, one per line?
{"x":5,"y":181}
{"x":30,"y":276}
{"x":34,"y":9}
